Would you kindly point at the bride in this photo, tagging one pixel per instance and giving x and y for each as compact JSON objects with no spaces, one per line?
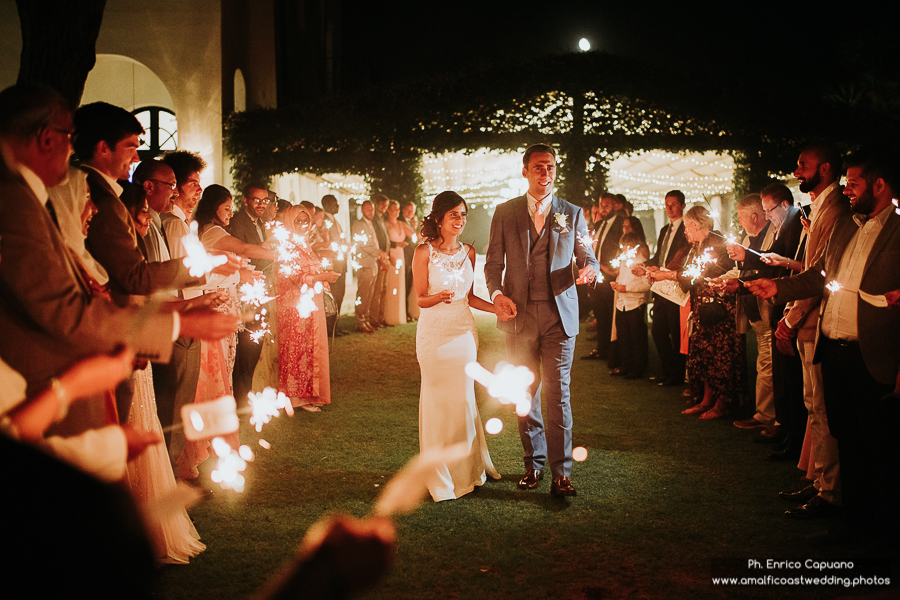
{"x":446,"y":340}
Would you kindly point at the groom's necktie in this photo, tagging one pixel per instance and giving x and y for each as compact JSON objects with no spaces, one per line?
{"x":539,"y":217}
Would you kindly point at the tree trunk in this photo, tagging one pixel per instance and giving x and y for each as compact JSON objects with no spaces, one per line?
{"x":58,"y":38}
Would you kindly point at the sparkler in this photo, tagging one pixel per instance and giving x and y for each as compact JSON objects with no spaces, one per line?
{"x":208,"y":419}
{"x":265,"y":405}
{"x":628,"y":256}
{"x":198,"y":261}
{"x":730,"y":239}
{"x":695,"y":269}
{"x":834,"y":286}
{"x":230,"y":466}
{"x":307,"y":303}
{"x":508,"y":384}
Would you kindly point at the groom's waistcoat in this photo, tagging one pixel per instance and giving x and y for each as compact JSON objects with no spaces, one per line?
{"x":539,"y":264}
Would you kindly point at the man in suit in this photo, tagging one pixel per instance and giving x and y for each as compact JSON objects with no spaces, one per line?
{"x":48,"y":316}
{"x":248,"y":226}
{"x":534,"y":239}
{"x":338,"y":260}
{"x":606,"y":248}
{"x":760,"y":236}
{"x":106,"y":141}
{"x":379,"y":290}
{"x":158,"y":181}
{"x":787,"y":370}
{"x":671,"y":250}
{"x":819,"y":171}
{"x":367,"y":254}
{"x":858,"y":346}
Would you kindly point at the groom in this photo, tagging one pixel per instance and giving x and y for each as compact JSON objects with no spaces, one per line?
{"x":534,"y":237}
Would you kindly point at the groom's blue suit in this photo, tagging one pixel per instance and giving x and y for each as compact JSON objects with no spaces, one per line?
{"x":540,"y":278}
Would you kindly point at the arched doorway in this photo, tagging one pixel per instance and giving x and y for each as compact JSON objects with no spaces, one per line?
{"x":125,"y":82}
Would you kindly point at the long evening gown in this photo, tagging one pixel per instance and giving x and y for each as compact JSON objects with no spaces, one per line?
{"x":446,"y":341}
{"x":174,"y":540}
{"x":395,"y":288}
{"x":216,"y":366}
{"x":303,"y":368}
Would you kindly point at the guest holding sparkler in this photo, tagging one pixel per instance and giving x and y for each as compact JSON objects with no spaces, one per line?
{"x":631,"y":305}
{"x":303,"y":368}
{"x":213,"y":214}
{"x":716,"y":362}
{"x":446,"y":341}
{"x":395,"y":294}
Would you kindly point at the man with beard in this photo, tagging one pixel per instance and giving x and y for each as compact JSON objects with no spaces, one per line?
{"x":606,"y":248}
{"x":818,"y":173}
{"x":858,"y":347}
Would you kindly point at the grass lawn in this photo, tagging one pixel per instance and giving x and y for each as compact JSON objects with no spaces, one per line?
{"x":660,"y":496}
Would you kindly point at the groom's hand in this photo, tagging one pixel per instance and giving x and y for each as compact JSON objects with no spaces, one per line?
{"x":504,"y":308}
{"x":586,"y":275}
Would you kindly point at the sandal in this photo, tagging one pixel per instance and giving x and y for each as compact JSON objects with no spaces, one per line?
{"x":696,"y":409}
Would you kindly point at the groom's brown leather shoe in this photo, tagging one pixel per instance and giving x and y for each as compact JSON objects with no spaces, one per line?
{"x":562,"y":487}
{"x":531,"y":479}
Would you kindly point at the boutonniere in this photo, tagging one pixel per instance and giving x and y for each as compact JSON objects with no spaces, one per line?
{"x":561,"y":221}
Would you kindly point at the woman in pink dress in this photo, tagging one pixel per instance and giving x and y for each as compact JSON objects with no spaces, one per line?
{"x":303,"y":369}
{"x":213,"y":214}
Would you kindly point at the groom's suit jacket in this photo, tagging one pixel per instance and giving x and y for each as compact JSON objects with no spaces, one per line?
{"x":48,"y":317}
{"x":509,"y":251}
{"x":113,"y":242}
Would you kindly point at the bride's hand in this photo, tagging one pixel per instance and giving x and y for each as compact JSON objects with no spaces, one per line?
{"x":505,"y":308}
{"x":445,"y":296}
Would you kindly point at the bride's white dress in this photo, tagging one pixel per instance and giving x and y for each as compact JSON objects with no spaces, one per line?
{"x":446,"y":341}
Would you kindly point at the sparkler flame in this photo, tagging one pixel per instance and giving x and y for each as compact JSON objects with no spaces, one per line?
{"x":229,"y":467}
{"x":198,"y":261}
{"x":834,"y":286}
{"x":266,"y":404}
{"x":508,"y":383}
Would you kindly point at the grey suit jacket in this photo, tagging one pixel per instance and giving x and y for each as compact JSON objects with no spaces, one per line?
{"x":506,"y":267}
{"x":878,"y":328}
{"x":367,"y":251}
{"x":48,"y":317}
{"x":112,"y":240}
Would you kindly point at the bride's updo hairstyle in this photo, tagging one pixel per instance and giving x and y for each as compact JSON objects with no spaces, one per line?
{"x":443,"y":203}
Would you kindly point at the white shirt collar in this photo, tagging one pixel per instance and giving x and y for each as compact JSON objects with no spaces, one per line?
{"x":821,"y":197}
{"x":176,"y":210}
{"x":109,"y":180}
{"x":34,"y":182}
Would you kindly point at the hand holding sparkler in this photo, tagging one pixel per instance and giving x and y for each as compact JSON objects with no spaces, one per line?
{"x":207,"y":324}
{"x":725,"y":286}
{"x":587,"y":275}
{"x":762,"y":288}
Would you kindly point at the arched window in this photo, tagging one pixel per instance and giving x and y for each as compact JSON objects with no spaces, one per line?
{"x":161,"y":129}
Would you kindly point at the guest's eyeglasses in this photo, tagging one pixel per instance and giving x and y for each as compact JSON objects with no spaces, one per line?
{"x":66,"y":132}
{"x":258,"y":200}
{"x":171,"y":186}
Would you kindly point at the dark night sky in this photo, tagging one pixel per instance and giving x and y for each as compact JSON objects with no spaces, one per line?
{"x":405,"y":40}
